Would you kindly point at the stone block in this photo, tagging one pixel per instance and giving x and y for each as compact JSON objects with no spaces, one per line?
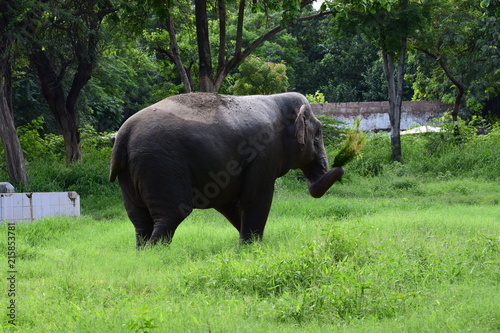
{"x":6,"y":187}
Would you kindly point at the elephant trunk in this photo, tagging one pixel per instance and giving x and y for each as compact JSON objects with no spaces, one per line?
{"x":319,"y":186}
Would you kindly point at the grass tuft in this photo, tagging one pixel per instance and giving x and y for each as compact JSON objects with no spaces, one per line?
{"x":352,"y":145}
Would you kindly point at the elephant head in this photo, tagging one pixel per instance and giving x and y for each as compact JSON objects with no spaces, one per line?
{"x":312,"y":156}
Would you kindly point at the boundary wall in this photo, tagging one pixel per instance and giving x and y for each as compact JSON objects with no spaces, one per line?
{"x":375,"y":115}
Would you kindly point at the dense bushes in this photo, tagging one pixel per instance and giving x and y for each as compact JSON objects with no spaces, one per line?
{"x":47,"y":170}
{"x":457,"y":151}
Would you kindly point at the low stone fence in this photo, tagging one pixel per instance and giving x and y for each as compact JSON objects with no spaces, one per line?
{"x":27,"y":207}
{"x":375,"y":115}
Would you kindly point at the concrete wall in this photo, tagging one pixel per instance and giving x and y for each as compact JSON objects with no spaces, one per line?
{"x":27,"y":207}
{"x":375,"y":115}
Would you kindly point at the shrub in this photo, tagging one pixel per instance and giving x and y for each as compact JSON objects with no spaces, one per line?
{"x":260,"y":77}
{"x":38,"y":147}
{"x":455,"y":153}
{"x":375,"y":154}
{"x":317,"y":97}
{"x":49,"y":173}
{"x":427,"y":155}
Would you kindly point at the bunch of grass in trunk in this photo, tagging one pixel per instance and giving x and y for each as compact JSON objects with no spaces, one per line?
{"x":352,"y":145}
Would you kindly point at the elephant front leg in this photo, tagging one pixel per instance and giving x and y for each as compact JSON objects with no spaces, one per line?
{"x":232,"y":213}
{"x":163,"y":232}
{"x":254,"y":218}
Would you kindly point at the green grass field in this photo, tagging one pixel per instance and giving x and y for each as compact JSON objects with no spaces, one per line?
{"x":381,"y":254}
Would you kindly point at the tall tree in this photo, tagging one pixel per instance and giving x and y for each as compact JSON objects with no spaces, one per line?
{"x":393,"y":51}
{"x":13,"y":152}
{"x":387,"y":24}
{"x":231,"y":49}
{"x":63,"y":41}
{"x":462,"y":43}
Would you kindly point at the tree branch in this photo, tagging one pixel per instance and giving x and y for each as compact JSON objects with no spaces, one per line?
{"x":174,"y":53}
{"x":436,"y":56}
{"x":458,"y":83}
{"x":242,"y":55}
{"x":222,"y":34}
{"x":239,"y":28}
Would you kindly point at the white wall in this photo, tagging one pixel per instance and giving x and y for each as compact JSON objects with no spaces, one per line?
{"x":27,"y":207}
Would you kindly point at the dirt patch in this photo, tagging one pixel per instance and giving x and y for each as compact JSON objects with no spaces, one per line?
{"x":202,"y":101}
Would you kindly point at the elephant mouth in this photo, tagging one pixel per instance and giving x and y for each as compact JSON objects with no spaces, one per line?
{"x":322,"y":183}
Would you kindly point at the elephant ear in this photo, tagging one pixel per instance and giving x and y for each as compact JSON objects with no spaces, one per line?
{"x":300,"y":127}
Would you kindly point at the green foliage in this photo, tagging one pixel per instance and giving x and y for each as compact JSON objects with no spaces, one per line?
{"x":89,"y":177}
{"x":133,"y":70}
{"x":28,"y":102}
{"x":375,"y":156}
{"x":492,"y":7}
{"x":458,"y":131}
{"x":343,"y":68}
{"x":141,"y":323}
{"x":38,"y":147}
{"x":257,"y":77}
{"x":316,"y":98}
{"x":46,"y":167}
{"x":351,"y":147}
{"x":461,"y":43}
{"x":125,"y":81}
{"x":457,"y":151}
{"x":383,"y":23}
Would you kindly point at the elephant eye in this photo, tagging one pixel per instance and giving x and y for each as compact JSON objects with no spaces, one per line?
{"x":318,"y":136}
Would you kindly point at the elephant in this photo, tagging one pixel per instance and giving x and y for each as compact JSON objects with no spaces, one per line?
{"x":208,"y":150}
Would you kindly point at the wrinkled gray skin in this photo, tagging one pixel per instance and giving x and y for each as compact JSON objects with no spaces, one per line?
{"x":203,"y":150}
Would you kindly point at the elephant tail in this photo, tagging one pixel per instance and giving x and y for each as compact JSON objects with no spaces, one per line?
{"x":119,"y":157}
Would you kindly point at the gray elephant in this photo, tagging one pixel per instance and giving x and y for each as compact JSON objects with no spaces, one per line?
{"x":204,"y":150}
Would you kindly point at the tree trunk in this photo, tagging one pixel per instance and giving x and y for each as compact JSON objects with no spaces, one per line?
{"x":222,"y":33}
{"x":394,"y":110}
{"x":395,"y":93}
{"x":205,"y":58}
{"x":14,"y":156}
{"x":460,"y":90}
{"x":52,"y":89}
{"x":12,"y":148}
{"x":83,"y":44}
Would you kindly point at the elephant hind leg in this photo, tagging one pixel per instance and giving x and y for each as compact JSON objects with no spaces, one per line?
{"x":137,"y":211}
{"x":166,"y":221}
{"x":232,"y":212}
{"x":153,"y":225}
{"x":143,"y":223}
